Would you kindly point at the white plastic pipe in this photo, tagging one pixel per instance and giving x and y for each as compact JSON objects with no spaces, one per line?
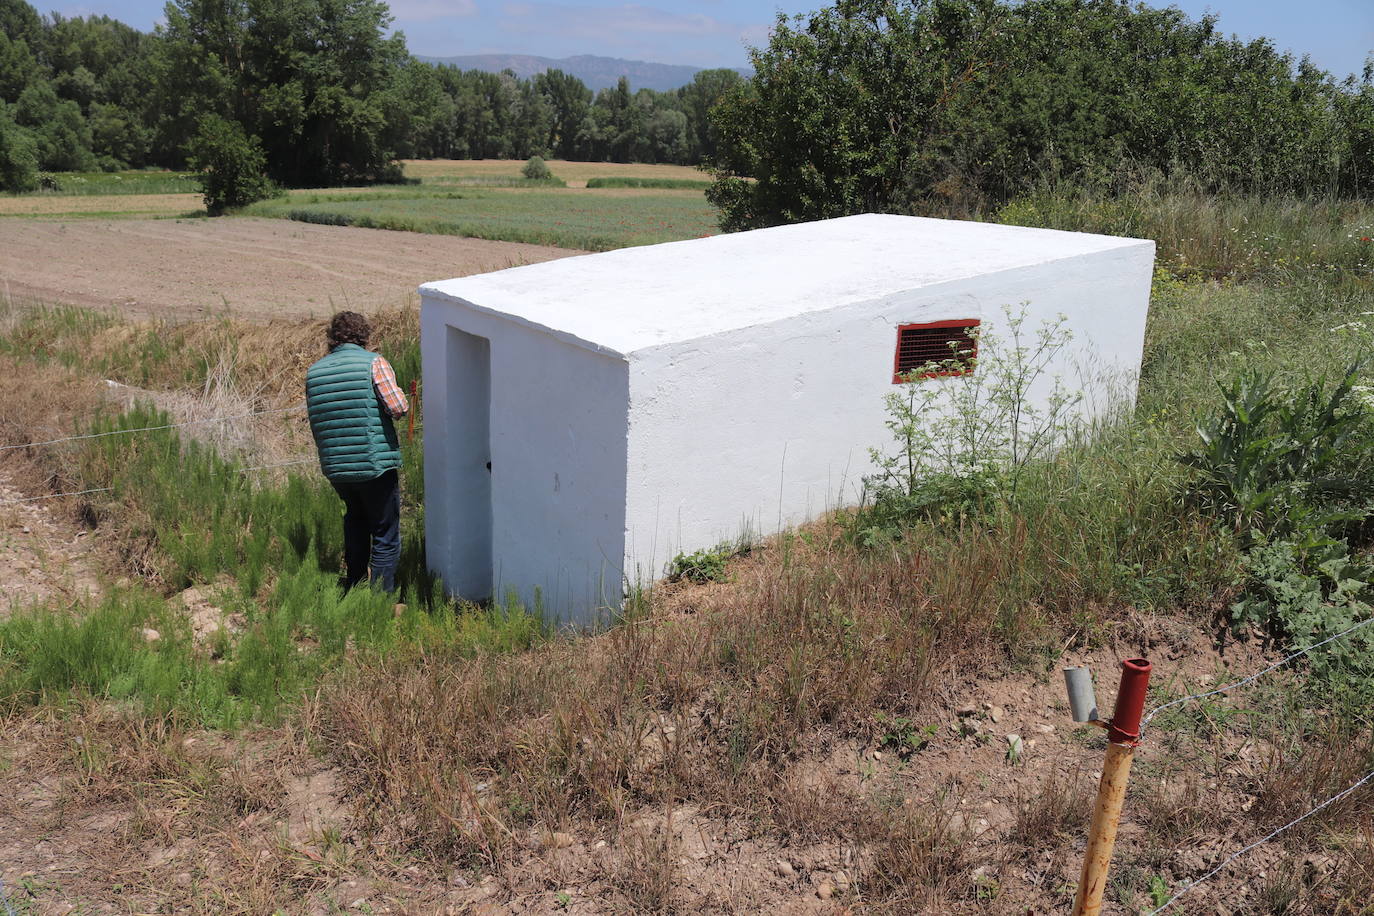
{"x":1082,"y":695}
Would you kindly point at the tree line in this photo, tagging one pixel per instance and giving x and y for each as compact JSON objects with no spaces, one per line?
{"x":864,"y":105}
{"x":948,"y":106}
{"x":304,"y":93}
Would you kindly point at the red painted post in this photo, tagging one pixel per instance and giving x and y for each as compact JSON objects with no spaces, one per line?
{"x":1123,"y":735}
{"x":410,"y":434}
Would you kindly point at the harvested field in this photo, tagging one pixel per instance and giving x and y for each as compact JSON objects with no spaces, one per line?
{"x":255,"y":269}
{"x":574,"y":173}
{"x":101,"y":205}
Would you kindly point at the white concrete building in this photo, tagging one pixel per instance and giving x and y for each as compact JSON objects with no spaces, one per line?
{"x":588,"y":419}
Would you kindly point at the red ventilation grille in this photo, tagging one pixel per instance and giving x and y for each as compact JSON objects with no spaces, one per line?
{"x":918,"y":345}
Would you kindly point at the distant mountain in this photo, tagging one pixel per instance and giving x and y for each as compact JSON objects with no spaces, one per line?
{"x":596,"y":72}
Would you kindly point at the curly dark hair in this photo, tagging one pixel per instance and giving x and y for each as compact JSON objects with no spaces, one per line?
{"x":348,"y":327}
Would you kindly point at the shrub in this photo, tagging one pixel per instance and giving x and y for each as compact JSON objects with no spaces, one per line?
{"x":232,"y":167}
{"x":702,"y":566}
{"x":536,"y":169}
{"x":18,"y":156}
{"x":667,"y":184}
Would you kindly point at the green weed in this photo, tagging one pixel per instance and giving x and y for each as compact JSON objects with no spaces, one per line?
{"x":152,"y":181}
{"x":676,"y":184}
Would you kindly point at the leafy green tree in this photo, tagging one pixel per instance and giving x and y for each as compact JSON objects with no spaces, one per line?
{"x":117,"y":138}
{"x":666,"y":136}
{"x":536,"y":169}
{"x":312,"y":79}
{"x":21,"y":22}
{"x":18,"y":67}
{"x":532,"y":123}
{"x":948,"y":106}
{"x":61,"y":134}
{"x":18,"y":157}
{"x":421,"y":113}
{"x":232,"y":166}
{"x":844,"y":106}
{"x":568,"y":99}
{"x":1356,"y":112}
{"x":698,"y":98}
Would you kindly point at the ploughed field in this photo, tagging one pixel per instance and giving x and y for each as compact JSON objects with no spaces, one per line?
{"x":126,"y":241}
{"x":252,"y":268}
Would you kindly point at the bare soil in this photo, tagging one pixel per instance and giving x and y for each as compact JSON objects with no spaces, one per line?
{"x":254,"y":269}
{"x":43,"y":555}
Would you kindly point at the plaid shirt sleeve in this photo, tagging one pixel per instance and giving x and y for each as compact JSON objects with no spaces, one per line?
{"x":393,"y":398}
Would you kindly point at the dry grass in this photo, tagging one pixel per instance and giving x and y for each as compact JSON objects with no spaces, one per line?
{"x":573,"y":172}
{"x":460,"y":758}
{"x":1310,"y":770}
{"x":142,"y":205}
{"x":181,"y":821}
{"x":1059,"y":807}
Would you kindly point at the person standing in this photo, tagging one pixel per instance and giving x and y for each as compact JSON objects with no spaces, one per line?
{"x":352,"y":397}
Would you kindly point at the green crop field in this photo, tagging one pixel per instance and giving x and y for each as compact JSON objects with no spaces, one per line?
{"x":152,"y":181}
{"x":487,"y":199}
{"x":568,"y":218}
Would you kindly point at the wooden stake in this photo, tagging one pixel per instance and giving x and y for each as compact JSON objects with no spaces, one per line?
{"x":1097,"y":859}
{"x":1123,"y":734}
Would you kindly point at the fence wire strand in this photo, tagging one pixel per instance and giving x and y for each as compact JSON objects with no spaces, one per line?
{"x":1254,"y":677}
{"x":148,"y":429}
{"x":31,"y":499}
{"x":1232,"y":686}
{"x":258,"y":467}
{"x":1260,"y":842}
{"x":282,"y":464}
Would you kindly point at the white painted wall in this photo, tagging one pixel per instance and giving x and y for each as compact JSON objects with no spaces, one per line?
{"x":768,"y":426}
{"x":657,"y":400}
{"x":555,"y":525}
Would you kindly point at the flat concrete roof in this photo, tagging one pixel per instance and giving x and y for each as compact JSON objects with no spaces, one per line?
{"x":634,"y":298}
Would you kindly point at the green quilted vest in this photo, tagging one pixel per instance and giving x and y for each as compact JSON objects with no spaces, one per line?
{"x":356,"y":438}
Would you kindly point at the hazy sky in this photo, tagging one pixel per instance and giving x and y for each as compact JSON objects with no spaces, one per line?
{"x":1338,"y":34}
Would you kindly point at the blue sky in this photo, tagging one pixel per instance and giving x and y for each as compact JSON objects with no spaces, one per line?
{"x":1338,"y":34}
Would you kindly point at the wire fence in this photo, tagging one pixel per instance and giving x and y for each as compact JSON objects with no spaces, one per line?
{"x":164,"y":426}
{"x":1260,"y":842}
{"x":259,"y":467}
{"x":149,"y":429}
{"x":1344,"y":793}
{"x":1252,"y":678}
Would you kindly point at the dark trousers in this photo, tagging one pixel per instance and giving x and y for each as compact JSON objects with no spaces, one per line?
{"x":372,"y":529}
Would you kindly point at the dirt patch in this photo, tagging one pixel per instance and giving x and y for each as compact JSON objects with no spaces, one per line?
{"x":42,"y":555}
{"x":249,"y":268}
